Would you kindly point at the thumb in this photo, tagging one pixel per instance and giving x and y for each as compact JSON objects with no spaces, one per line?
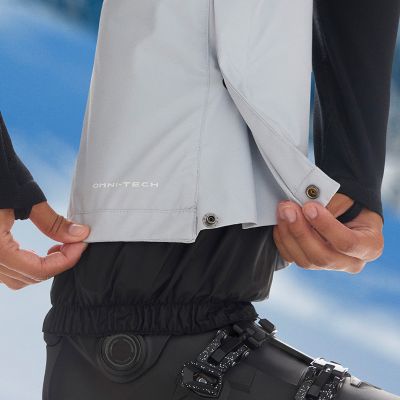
{"x":56,"y":226}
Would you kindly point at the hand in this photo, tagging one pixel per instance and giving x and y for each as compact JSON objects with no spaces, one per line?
{"x":326,"y":243}
{"x":19,"y":267}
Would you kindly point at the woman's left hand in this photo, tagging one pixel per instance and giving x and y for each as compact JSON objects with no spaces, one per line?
{"x":324,"y":242}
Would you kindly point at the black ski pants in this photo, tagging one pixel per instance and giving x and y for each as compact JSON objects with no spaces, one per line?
{"x":147,"y":367}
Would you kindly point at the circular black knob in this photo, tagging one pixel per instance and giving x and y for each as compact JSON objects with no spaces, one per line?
{"x":122,"y":352}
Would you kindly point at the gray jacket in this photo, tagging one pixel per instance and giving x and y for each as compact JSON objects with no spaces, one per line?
{"x":197,"y":117}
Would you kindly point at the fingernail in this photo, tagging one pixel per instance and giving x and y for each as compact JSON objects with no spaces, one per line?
{"x":281,"y":206}
{"x":311,"y":212}
{"x":289,"y":214}
{"x":76,"y":229}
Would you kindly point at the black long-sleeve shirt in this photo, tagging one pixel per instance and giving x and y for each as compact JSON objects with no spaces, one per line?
{"x":18,"y":188}
{"x":190,"y":287}
{"x":353,"y":49}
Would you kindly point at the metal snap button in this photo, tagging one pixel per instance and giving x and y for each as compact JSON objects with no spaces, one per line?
{"x":122,"y":352}
{"x":312,"y":191}
{"x":210,"y":219}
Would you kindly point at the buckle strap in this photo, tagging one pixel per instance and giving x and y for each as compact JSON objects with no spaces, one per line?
{"x":322,"y":380}
{"x":204,"y":376}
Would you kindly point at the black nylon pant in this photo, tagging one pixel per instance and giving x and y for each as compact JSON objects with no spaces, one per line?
{"x":75,"y":370}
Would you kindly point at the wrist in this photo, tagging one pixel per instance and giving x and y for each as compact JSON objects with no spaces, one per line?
{"x":344,"y":208}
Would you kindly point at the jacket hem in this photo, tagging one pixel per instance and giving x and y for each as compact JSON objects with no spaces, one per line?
{"x":138,"y":225}
{"x":163,"y":318}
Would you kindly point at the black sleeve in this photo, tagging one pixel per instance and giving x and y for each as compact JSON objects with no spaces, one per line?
{"x":18,"y":188}
{"x":353,"y":49}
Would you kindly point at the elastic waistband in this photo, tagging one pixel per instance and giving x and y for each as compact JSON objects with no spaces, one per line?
{"x":155,"y":318}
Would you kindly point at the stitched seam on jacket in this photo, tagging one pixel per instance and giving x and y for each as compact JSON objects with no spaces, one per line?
{"x":154,"y":239}
{"x":276,"y":172}
{"x":100,"y":210}
{"x":203,"y":118}
{"x":285,"y":135}
{"x":249,"y":36}
{"x":272,"y":129}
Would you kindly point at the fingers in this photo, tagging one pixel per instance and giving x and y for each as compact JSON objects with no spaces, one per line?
{"x":291,"y":251}
{"x":284,"y":250}
{"x":60,"y":261}
{"x":361,"y":241}
{"x":15,"y":275}
{"x":19,"y":267}
{"x":307,"y":248}
{"x":12,"y":283}
{"x":56,"y":226}
{"x":39,"y":268}
{"x":54,"y":248}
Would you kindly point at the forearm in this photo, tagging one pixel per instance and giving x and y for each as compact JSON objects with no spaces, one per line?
{"x":18,"y":188}
{"x":353,"y":48}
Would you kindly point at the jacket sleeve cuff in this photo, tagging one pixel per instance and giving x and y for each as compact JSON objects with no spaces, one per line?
{"x":317,"y":185}
{"x":298,"y":177}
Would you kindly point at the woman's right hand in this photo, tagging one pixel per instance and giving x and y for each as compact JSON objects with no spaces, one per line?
{"x":20,"y":267}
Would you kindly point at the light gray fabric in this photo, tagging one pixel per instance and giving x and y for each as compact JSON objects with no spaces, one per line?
{"x":165,"y":143}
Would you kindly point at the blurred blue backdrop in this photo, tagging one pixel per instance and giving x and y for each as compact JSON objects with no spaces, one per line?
{"x":46,"y":57}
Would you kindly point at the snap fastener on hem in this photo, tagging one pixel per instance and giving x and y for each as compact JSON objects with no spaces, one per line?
{"x":210,"y":219}
{"x":312,"y":191}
